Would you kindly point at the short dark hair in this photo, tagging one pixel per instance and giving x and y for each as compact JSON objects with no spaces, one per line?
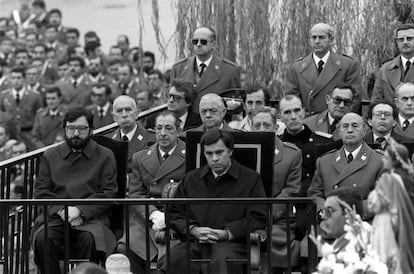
{"x":167,"y":113}
{"x":73,"y":30}
{"x":57,"y":11}
{"x":50,"y":26}
{"x":39,"y":3}
{"x":19,"y":70}
{"x":108,"y":90}
{"x":88,"y":268}
{"x":39,"y":44}
{"x":54,"y":89}
{"x":351,"y":196}
{"x":252,"y":89}
{"x":214,"y":135}
{"x":77,"y":59}
{"x":385,"y":102}
{"x":150,"y":54}
{"x":21,"y":50}
{"x":74,"y":113}
{"x":345,"y":86}
{"x":125,"y":37}
{"x":185,"y":86}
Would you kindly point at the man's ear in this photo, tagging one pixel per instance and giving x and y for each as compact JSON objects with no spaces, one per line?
{"x":369,"y":121}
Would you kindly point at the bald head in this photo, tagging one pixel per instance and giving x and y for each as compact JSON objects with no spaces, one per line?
{"x":352,"y":129}
{"x":321,"y":39}
{"x":212,"y":110}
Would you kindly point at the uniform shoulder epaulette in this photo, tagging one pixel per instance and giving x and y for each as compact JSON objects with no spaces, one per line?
{"x":40,"y":110}
{"x":350,"y":57}
{"x":151,"y":130}
{"x":323,"y":134}
{"x":291,"y":145}
{"x":380,"y":151}
{"x":328,"y":152}
{"x":181,"y":61}
{"x":229,"y":62}
{"x":298,"y":59}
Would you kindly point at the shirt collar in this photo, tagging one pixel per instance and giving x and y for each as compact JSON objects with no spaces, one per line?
{"x":316,"y":59}
{"x":207,"y":62}
{"x":330,"y":119}
{"x":20,"y":92}
{"x":162,"y":153}
{"x":130,"y":134}
{"x":77,"y":80}
{"x":402,"y":119}
{"x":354,"y":153}
{"x":183,"y":118}
{"x":104,"y":107}
{"x":386,"y":136}
{"x":404,"y":61}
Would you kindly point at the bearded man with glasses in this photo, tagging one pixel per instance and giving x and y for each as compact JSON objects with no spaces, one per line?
{"x":340,"y":102}
{"x":76,"y":169}
{"x":205,"y":70}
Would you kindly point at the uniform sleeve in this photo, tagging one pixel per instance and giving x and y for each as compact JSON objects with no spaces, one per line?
{"x":292,"y":83}
{"x":37,"y":135}
{"x":378,"y":91}
{"x":316,"y":188}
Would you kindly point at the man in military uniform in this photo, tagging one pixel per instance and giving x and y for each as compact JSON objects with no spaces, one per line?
{"x":339,"y":101}
{"x":313,"y":77}
{"x":127,"y":83}
{"x":287,"y":173}
{"x":355,"y":164}
{"x":101,"y":107}
{"x":125,"y":113}
{"x":153,"y":169}
{"x":95,"y":73}
{"x":48,"y":125}
{"x":405,"y":103}
{"x":208,"y":72}
{"x":21,"y":104}
{"x":398,"y":70}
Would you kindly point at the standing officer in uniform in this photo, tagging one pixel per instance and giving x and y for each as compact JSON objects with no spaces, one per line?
{"x":208,"y":72}
{"x":313,"y":77}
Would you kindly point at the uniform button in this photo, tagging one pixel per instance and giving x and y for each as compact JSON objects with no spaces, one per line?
{"x":154,"y":183}
{"x":308,"y":156}
{"x":336,"y":186}
{"x":310,"y":140}
{"x":307,"y":175}
{"x":354,"y":185}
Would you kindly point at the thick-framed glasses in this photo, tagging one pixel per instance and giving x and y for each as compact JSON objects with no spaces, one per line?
{"x":338,"y":100}
{"x":202,"y":41}
{"x":401,"y":39}
{"x":80,"y":129}
{"x":380,"y":114}
{"x":175,"y":98}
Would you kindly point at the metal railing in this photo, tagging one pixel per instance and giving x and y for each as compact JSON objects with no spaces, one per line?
{"x":16,"y":229}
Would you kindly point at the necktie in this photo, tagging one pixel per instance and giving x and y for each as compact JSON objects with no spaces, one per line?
{"x":164,"y":157}
{"x":203,"y":67}
{"x":349,"y":158}
{"x":75,"y":83}
{"x":381,"y":141}
{"x":125,"y":138}
{"x":405,"y":125}
{"x":407,"y":67}
{"x":17,"y":98}
{"x":320,"y":66}
{"x":101,"y":113}
{"x":124,"y":89}
{"x":332,"y":127}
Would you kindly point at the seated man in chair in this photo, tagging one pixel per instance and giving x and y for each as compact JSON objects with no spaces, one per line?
{"x":219,"y":231}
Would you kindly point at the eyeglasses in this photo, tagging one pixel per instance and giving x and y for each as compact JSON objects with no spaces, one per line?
{"x":379,"y":114}
{"x":401,"y":39}
{"x":202,"y":41}
{"x":326,"y":212}
{"x":175,"y":98}
{"x":338,"y":100}
{"x":97,"y":94}
{"x":80,"y":129}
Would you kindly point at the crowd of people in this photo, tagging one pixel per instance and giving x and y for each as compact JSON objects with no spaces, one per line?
{"x":54,"y":89}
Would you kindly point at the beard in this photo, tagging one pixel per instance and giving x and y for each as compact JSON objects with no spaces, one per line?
{"x":76,"y":142}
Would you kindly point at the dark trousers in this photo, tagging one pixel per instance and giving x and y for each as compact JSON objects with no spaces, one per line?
{"x":216,"y":253}
{"x":81,"y":246}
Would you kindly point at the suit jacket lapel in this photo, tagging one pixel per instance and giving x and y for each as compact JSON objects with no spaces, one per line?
{"x":188,"y":70}
{"x":332,"y":66}
{"x":395,"y":71}
{"x":322,"y":122}
{"x":359,"y":162}
{"x":340,"y":161}
{"x":211,"y":75}
{"x":150,"y":160}
{"x":174,"y":161}
{"x":309,"y":70}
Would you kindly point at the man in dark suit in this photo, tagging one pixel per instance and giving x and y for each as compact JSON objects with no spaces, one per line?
{"x":398,"y":70}
{"x":313,"y":77}
{"x":127,"y":83}
{"x":382,"y":117}
{"x":76,"y":169}
{"x":208,"y":72}
{"x":101,"y":107}
{"x":153,"y":169}
{"x":125,"y":113}
{"x":339,"y":101}
{"x":405,"y":103}
{"x":76,"y":89}
{"x":220,"y":230}
{"x":355,"y":164}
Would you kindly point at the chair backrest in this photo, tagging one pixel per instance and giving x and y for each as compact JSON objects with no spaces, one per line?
{"x":120,"y":150}
{"x":252,"y":149}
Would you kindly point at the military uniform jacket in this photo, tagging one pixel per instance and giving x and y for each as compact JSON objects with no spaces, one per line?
{"x":46,"y":128}
{"x":390,"y":75}
{"x":408,"y":133}
{"x":132,"y":90}
{"x":148,"y":179}
{"x":304,"y":81}
{"x":333,"y":171}
{"x":25,"y":112}
{"x":319,"y":123}
{"x":220,"y":74}
{"x":305,"y":141}
{"x":79,"y":96}
{"x":98,"y":121}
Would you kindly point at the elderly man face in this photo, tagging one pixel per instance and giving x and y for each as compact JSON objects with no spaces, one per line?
{"x":264,"y":122}
{"x":320,"y":40}
{"x":352,"y":130}
{"x":166,"y":132}
{"x":203,"y":43}
{"x":212,"y":111}
{"x":125,"y":113}
{"x":405,"y":100}
{"x":339,"y":102}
